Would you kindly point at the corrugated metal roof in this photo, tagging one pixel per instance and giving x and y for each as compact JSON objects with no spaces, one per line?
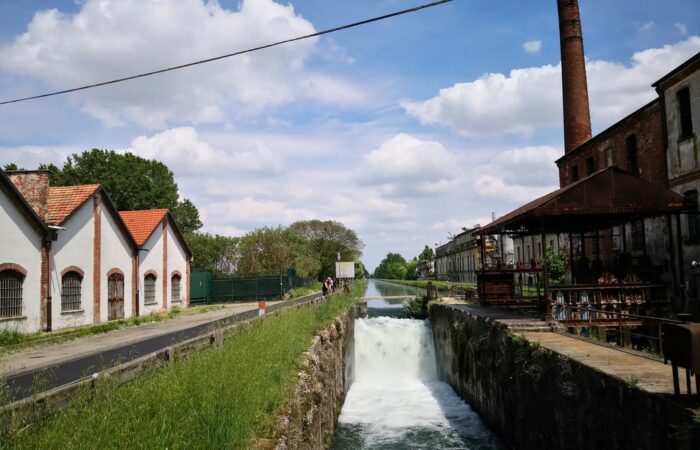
{"x":610,"y":195}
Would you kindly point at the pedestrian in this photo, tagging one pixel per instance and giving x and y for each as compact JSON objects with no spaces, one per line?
{"x":325,"y":288}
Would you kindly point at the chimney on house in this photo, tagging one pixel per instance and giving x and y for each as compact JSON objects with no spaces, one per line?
{"x":34,"y":186}
{"x":577,"y":116}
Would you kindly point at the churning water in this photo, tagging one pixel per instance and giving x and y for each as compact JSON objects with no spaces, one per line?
{"x":396,"y":400}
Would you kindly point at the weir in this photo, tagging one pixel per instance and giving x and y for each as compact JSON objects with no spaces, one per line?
{"x":395,"y":400}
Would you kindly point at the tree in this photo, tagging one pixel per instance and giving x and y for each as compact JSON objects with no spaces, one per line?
{"x":216,"y":254}
{"x":555,"y":265}
{"x":266,"y":251}
{"x":186,"y":216}
{"x":325,"y":241}
{"x":131,"y":182}
{"x":393,"y":267}
{"x":426,"y":255}
{"x":11,"y":166}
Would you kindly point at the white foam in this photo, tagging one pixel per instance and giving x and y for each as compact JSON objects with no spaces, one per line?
{"x":396,"y":397}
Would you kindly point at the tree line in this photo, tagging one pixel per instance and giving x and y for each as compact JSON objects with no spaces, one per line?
{"x":311,"y":247}
{"x":396,"y":267}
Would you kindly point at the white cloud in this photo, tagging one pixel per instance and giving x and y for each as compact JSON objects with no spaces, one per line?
{"x":518,"y":175}
{"x":108,"y":39}
{"x":526,"y":99}
{"x":682,"y":28}
{"x":182,"y":150}
{"x":533,"y":47}
{"x":648,"y":26}
{"x":404,"y":163}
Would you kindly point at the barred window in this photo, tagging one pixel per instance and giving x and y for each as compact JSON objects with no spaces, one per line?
{"x":11,"y":293}
{"x":70,"y":291}
{"x":149,"y":289}
{"x":175,"y":288}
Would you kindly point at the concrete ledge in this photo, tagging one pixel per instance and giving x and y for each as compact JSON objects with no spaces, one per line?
{"x":535,"y":398}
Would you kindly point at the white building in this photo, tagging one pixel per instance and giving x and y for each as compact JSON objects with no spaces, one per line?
{"x":163,"y":262}
{"x":23,"y":248}
{"x":93,"y":259}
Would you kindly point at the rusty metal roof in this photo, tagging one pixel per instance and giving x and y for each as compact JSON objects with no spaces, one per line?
{"x":606,"y":198}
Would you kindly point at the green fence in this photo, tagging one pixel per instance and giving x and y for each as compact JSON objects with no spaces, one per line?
{"x":206,"y":289}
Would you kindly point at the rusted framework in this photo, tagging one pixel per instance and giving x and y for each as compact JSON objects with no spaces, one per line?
{"x":594,"y":294}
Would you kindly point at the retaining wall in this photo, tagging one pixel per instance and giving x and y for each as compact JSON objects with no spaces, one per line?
{"x":534,"y":398}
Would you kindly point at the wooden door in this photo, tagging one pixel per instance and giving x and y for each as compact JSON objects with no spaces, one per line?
{"x":115,"y":297}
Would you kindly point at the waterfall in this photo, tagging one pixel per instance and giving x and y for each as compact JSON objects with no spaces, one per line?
{"x":396,"y":400}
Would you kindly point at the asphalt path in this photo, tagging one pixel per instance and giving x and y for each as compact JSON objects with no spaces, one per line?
{"x":35,"y":381}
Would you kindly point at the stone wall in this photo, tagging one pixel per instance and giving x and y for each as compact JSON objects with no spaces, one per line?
{"x":310,"y":415}
{"x":534,"y":398}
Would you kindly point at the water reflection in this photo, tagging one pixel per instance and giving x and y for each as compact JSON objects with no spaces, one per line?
{"x":388,"y":307}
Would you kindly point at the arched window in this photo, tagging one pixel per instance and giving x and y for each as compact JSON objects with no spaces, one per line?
{"x":11,"y":283}
{"x":70,"y":291}
{"x":149,"y":289}
{"x":175,"y":288}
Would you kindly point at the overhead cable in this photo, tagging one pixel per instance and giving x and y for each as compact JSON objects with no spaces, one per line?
{"x":229,"y":55}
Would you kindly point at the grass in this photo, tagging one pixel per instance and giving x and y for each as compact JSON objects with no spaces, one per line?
{"x":217,"y":398}
{"x":11,"y":341}
{"x":441,"y":285}
{"x":302,"y":291}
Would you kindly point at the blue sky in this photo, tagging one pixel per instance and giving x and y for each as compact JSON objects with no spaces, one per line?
{"x":405,"y":130}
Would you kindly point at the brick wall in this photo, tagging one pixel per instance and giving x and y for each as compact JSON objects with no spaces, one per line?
{"x":34,"y":187}
{"x":610,"y":148}
{"x":97,"y":259}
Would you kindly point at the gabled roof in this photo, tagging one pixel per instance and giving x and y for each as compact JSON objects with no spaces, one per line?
{"x":142,"y":224}
{"x":65,"y":200}
{"x":21,"y":202}
{"x":692,"y":60}
{"x":605,"y":198}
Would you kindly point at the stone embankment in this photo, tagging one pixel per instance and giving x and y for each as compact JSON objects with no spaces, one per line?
{"x":308,"y":418}
{"x":535,"y":397}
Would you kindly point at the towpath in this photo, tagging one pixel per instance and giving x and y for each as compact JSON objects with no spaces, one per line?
{"x":649,"y":374}
{"x":59,"y":364}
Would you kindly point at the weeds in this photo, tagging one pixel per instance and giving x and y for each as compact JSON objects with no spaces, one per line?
{"x":631,"y":381}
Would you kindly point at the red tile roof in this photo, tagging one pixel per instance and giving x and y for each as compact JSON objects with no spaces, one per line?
{"x":142,"y":223}
{"x":63,"y":200}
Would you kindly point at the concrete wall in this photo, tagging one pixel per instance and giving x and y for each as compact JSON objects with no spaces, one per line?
{"x":310,"y":414}
{"x":73,"y":248}
{"x":21,"y":245}
{"x":177,"y":262}
{"x":537,"y":399}
{"x":116,"y":252}
{"x":151,"y":259}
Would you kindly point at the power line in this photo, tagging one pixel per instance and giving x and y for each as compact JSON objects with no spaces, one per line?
{"x":229,"y":55}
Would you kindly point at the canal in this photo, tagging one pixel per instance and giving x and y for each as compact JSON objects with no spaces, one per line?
{"x":396,"y":400}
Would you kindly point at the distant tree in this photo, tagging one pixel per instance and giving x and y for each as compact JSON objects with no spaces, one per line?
{"x":213,"y":253}
{"x":412,"y":269}
{"x":427,"y":254}
{"x":392,"y":267}
{"x":325,"y":240}
{"x":11,"y":166}
{"x":266,"y":251}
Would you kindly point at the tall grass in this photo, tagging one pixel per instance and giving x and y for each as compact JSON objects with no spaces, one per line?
{"x":217,"y":398}
{"x":441,"y":285}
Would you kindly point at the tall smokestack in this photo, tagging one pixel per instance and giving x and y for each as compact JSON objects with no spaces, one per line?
{"x":577,"y":116}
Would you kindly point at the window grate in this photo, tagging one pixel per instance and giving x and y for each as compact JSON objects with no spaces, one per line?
{"x":10,"y":294}
{"x":70,"y":291}
{"x":175,"y":288}
{"x":149,"y":289}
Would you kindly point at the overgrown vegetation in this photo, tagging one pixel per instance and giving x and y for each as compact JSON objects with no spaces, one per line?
{"x":441,"y":285}
{"x":631,"y":381}
{"x":416,"y":308}
{"x":11,"y":340}
{"x":217,"y":398}
{"x":302,"y":291}
{"x":555,"y":265}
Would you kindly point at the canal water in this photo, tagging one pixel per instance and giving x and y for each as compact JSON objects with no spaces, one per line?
{"x":396,"y":400}
{"x":388,"y":307}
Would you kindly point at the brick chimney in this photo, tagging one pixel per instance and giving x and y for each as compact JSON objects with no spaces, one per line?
{"x":577,"y":116}
{"x":34,"y":186}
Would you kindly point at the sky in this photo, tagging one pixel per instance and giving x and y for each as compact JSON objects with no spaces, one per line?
{"x":405,"y":130}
